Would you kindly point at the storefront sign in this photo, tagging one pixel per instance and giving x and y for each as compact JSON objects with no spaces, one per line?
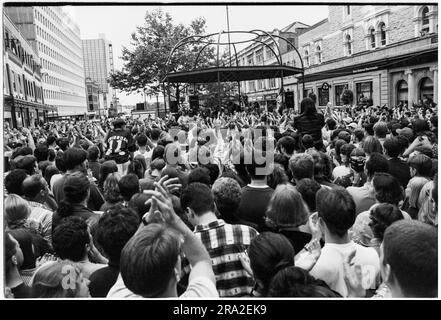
{"x":271,"y":96}
{"x":364,"y":69}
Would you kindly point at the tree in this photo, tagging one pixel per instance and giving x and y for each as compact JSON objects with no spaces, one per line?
{"x":145,"y":64}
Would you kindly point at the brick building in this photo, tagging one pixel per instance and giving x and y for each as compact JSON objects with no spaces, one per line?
{"x":385,"y":54}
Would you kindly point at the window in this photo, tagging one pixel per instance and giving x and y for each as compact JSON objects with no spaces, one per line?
{"x":323,"y":96}
{"x":259,"y":57}
{"x":372,"y":37}
{"x":348,"y":44}
{"x":318,"y":54}
{"x":402,"y":92}
{"x":252,"y":86}
{"x":364,"y":92}
{"x":338,"y":90}
{"x":426,"y":88}
{"x":425,"y":19}
{"x":260,"y":84}
{"x":250,"y":60}
{"x":382,"y":34}
{"x":289,"y":46}
{"x":272,"y":82}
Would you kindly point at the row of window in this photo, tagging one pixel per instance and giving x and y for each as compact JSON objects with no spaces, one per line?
{"x":60,"y":70}
{"x":21,"y":85}
{"x":17,"y":49}
{"x":272,"y":83}
{"x":57,"y":56}
{"x":56,"y":95}
{"x":54,"y":81}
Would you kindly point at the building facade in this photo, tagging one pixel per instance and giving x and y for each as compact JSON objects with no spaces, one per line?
{"x":23,"y":101}
{"x":93,"y":103}
{"x":98,"y":65}
{"x":56,"y":37}
{"x":384,"y":54}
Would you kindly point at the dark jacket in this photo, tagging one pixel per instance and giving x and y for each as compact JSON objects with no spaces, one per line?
{"x":310,"y":124}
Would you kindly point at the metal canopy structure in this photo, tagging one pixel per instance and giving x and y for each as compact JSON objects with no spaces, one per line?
{"x":230,"y":70}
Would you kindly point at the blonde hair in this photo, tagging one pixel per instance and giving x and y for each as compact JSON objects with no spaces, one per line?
{"x":16,"y":208}
{"x":286,"y":207}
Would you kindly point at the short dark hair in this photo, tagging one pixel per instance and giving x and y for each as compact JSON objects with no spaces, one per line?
{"x":331,"y":123}
{"x":376,"y":163}
{"x":371,"y":144}
{"x":387,"y":188}
{"x":63,"y":143}
{"x":288,"y":143}
{"x":59,"y":161}
{"x":301,"y":166}
{"x":155,"y":133}
{"x":308,"y":188}
{"x":14,"y":181}
{"x":141,"y":140}
{"x":32,"y":186}
{"x":27,"y":163}
{"x":93,"y":153}
{"x":128,"y":186}
{"x":148,"y":259}
{"x":74,"y":157}
{"x":41,"y":152}
{"x":307,"y":105}
{"x":115,"y":227}
{"x":199,"y":174}
{"x":51,"y":139}
{"x":410,"y":247}
{"x":359,"y":134}
{"x":307,"y":141}
{"x":392,"y":147}
{"x":70,"y":238}
{"x":422,"y":164}
{"x":198,"y":197}
{"x":213,"y":170}
{"x":382,"y":216}
{"x":337,"y":209}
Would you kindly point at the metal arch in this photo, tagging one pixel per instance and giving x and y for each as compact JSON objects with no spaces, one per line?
{"x":199,"y":53}
{"x":271,"y":36}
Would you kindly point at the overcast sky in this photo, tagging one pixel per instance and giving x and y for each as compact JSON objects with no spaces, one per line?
{"x":118,"y":22}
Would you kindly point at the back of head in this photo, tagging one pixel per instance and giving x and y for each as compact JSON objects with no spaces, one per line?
{"x":76,"y":187}
{"x":308,"y":188}
{"x":372,"y":144}
{"x":136,"y":167}
{"x":382,"y":216}
{"x":410,"y":248}
{"x":148,"y":260}
{"x":392,"y":147}
{"x":128,"y":186}
{"x":376,"y":163}
{"x":158,"y":152}
{"x":286,"y":207}
{"x":155,"y":134}
{"x":74,"y":157}
{"x":51,"y":170}
{"x":41,"y":152}
{"x":288,"y":143}
{"x":387,"y":188}
{"x":93,"y":153}
{"x":213,"y":170}
{"x":296,"y":282}
{"x":16,"y":209}
{"x":301,"y":166}
{"x":307,"y":141}
{"x":380,"y":129}
{"x":307,"y":106}
{"x":269,"y":253}
{"x":201,"y":175}
{"x":141,"y":140}
{"x":27,"y":163}
{"x":331,"y":123}
{"x":24,"y":239}
{"x":14,"y":181}
{"x":111,"y":188}
{"x":63,"y":143}
{"x":227,"y":194}
{"x":198,"y":197}
{"x":115,"y":227}
{"x":70,"y":238}
{"x":106,"y":168}
{"x":32,"y":186}
{"x":139,"y":203}
{"x":359,"y":135}
{"x":422,"y":164}
{"x":337,"y":209}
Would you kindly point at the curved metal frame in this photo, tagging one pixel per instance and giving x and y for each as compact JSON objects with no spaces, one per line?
{"x":258,"y":35}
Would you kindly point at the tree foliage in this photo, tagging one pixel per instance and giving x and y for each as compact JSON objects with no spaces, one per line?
{"x":145,"y":63}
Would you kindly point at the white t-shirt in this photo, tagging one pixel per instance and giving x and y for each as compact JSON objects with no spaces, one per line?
{"x":329,"y":266}
{"x":199,"y":287}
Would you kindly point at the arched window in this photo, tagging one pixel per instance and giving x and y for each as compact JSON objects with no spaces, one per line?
{"x":349,"y":44}
{"x":426,"y":88}
{"x":402,"y":92}
{"x":425,"y":19}
{"x":382,"y":27}
{"x":372,"y":37}
{"x":319,"y":54}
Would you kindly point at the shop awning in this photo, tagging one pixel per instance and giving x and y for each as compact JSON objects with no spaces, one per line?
{"x":232,"y":74}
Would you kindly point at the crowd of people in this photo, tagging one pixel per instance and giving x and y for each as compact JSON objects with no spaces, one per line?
{"x":327,"y":203}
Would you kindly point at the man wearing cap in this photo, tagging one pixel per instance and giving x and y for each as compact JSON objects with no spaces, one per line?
{"x":120,"y":145}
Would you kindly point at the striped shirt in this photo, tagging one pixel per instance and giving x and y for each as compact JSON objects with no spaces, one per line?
{"x":42,"y":216}
{"x":224,"y":242}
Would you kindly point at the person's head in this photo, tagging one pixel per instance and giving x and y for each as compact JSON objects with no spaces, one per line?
{"x":307,"y":106}
{"x":277,"y":177}
{"x":420,"y":165}
{"x":93,"y":153}
{"x":63,"y":143}
{"x":358,"y":135}
{"x":286,"y":207}
{"x":287,"y":145}
{"x":269,"y":253}
{"x":51,"y":140}
{"x":301,"y":166}
{"x":59,"y":161}
{"x":345,"y":136}
{"x":227,"y":194}
{"x":201,"y":175}
{"x":330,"y":123}
{"x":50,"y":171}
{"x":372,"y":144}
{"x":213,"y":171}
{"x":345,"y":153}
{"x":75,"y":159}
{"x":336,"y":210}
{"x":380,"y":129}
{"x":13,"y":256}
{"x":70,"y":239}
{"x":387,"y":188}
{"x":49,"y":281}
{"x":111,"y":188}
{"x":41,"y":152}
{"x":128,"y":186}
{"x":14,"y":181}
{"x":409,"y":259}
{"x":376,"y":163}
{"x":141,"y":140}
{"x":156,"y":167}
{"x":155,"y":134}
{"x":158,"y":152}
{"x":107,"y":168}
{"x":139,"y":203}
{"x":382,"y":216}
{"x":420,"y":126}
{"x":307,"y":141}
{"x":24,"y":239}
{"x":119,"y":124}
{"x":150,"y":262}
{"x":297,"y":282}
{"x":115,"y":227}
{"x":136,"y":167}
{"x":392,"y":147}
{"x":35,"y":188}
{"x":308,"y":188}
{"x":76,"y":188}
{"x":16,"y":209}
{"x":197,"y":200}
{"x":322,"y":165}
{"x":27,"y":163}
